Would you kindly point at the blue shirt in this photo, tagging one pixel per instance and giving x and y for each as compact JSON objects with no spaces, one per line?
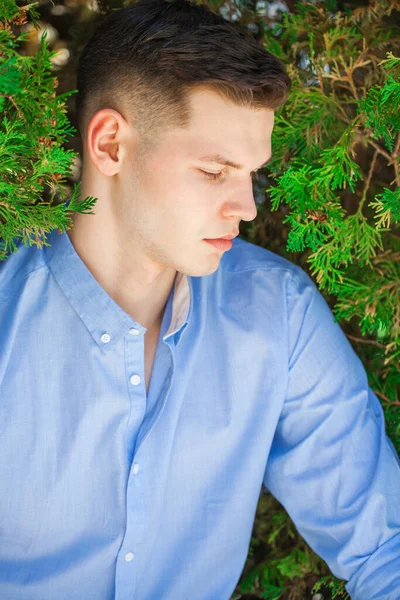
{"x":111,"y":493}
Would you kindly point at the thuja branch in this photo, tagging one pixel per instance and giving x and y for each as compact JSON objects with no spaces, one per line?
{"x":368,"y":182}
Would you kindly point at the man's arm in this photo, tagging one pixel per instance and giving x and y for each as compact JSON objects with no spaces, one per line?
{"x":331,"y":464}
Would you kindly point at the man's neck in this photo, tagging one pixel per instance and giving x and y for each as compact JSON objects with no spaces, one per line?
{"x":114,"y":269}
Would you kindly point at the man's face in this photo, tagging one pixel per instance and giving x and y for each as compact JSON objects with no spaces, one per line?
{"x":170,"y":207}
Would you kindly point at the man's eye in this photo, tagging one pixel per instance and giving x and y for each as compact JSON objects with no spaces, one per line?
{"x":215,"y":176}
{"x":211,"y":175}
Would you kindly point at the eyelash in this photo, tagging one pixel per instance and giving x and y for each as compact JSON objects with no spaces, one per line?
{"x":216,"y":176}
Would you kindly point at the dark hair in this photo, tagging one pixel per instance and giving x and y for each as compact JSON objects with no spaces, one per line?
{"x":144,"y":59}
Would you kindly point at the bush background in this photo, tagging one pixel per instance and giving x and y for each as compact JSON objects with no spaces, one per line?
{"x":329,"y":201}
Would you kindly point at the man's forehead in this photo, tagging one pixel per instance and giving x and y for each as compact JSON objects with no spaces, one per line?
{"x":238,"y":153}
{"x":233,"y":145}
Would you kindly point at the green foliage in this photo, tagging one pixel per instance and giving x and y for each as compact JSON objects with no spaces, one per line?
{"x":33,"y":129}
{"x":343,"y":104}
{"x":336,"y":586}
{"x":380,"y":106}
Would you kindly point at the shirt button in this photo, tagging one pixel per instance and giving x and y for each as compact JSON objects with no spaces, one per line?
{"x":135,"y":468}
{"x":134,"y":331}
{"x":129,"y":556}
{"x":105,"y":338}
{"x":135,"y":380}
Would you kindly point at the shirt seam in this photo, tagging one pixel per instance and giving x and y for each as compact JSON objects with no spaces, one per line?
{"x":27,"y":276}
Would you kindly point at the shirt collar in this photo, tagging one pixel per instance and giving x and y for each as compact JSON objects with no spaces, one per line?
{"x":101,"y":315}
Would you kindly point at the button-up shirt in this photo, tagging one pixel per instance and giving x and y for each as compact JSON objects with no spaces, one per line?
{"x":109,"y":492}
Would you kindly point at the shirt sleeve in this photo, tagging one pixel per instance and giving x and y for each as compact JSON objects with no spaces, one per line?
{"x":331,"y":464}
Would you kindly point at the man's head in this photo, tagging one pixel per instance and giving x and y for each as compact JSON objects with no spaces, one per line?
{"x":161,"y":84}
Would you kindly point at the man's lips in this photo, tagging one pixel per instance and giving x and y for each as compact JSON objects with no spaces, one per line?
{"x":230,"y":236}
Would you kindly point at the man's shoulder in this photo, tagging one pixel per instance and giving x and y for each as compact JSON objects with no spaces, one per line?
{"x":245,"y":256}
{"x":274,"y":273}
{"x":18,"y":267}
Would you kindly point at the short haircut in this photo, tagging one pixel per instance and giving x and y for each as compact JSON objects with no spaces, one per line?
{"x":144,"y":59}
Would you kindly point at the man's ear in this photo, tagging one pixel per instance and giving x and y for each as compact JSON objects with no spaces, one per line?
{"x":106,"y":141}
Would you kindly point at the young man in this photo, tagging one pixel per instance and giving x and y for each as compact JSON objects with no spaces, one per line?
{"x":151,"y":380}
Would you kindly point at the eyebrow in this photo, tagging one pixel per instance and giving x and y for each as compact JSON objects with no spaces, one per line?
{"x":218,"y":158}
